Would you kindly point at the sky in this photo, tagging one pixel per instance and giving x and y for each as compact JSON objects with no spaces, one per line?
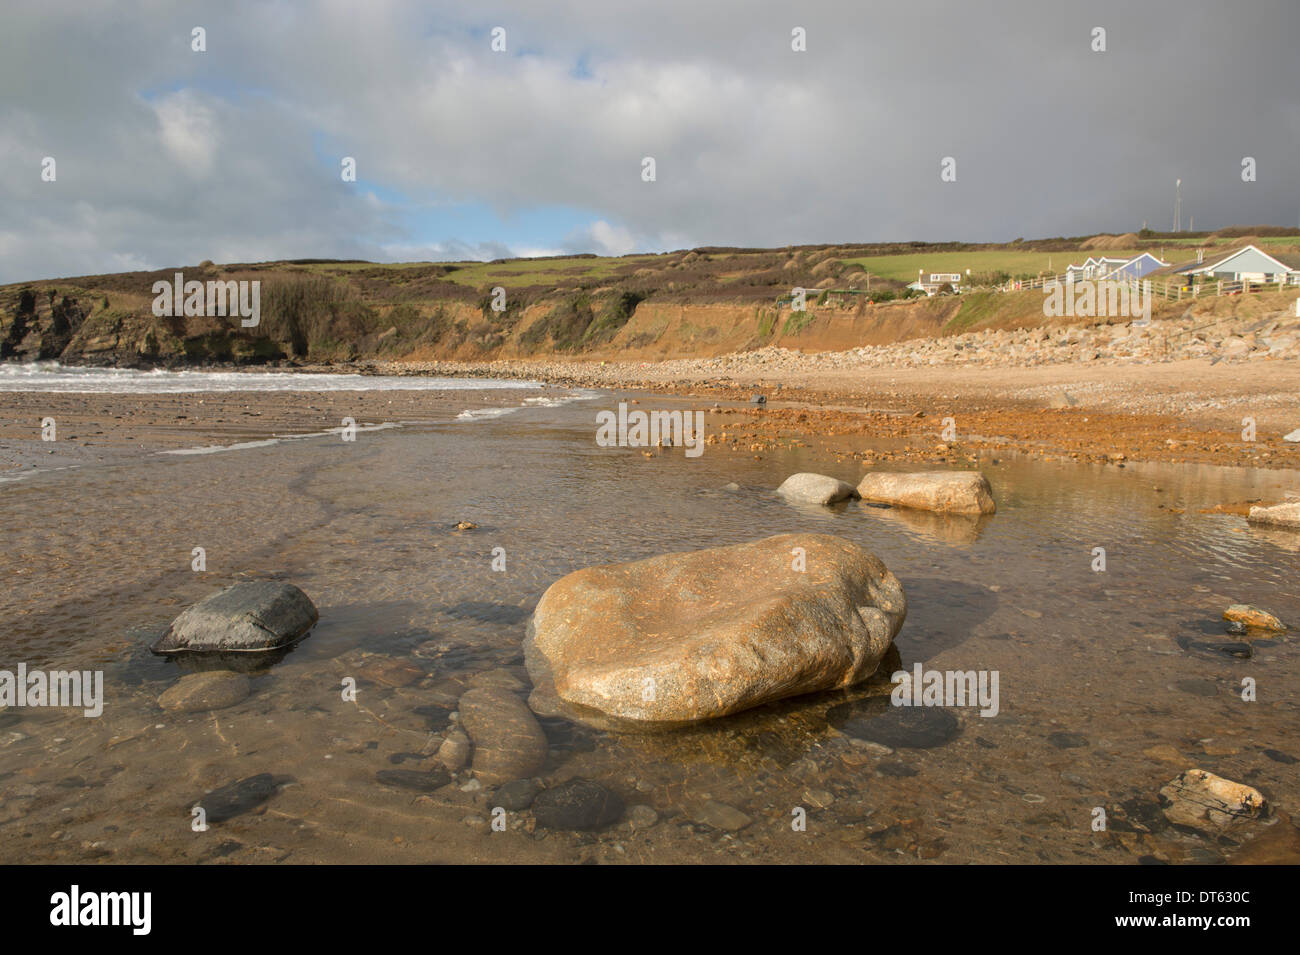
{"x":166,"y":156}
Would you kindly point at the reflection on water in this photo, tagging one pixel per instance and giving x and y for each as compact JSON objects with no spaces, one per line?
{"x":97,"y":563}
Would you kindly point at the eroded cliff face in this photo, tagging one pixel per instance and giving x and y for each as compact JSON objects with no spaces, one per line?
{"x":40,"y":327}
{"x":319,"y":313}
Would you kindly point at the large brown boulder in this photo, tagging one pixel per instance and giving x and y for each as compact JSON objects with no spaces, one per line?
{"x":672,"y":640}
{"x":949,"y":492}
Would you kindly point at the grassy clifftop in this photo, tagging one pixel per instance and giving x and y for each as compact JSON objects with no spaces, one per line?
{"x":698,"y":302}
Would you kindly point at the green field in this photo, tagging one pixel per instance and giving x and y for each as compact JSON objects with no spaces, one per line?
{"x":525,"y":272}
{"x":905,"y":268}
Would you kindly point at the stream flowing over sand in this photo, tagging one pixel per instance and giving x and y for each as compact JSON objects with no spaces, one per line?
{"x":1111,"y":683}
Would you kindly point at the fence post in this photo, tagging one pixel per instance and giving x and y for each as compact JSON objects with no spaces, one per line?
{"x":1220,"y":290}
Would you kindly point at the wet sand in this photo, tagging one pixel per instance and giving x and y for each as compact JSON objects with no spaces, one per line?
{"x":97,"y":561}
{"x":111,"y":428}
{"x":1178,"y":412}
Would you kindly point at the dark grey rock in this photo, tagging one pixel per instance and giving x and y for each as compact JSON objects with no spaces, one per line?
{"x":252,"y":616}
{"x":897,"y":770}
{"x":577,"y":804}
{"x":414,"y":779}
{"x":516,"y":795}
{"x":898,"y":727}
{"x":235,"y":799}
{"x":1067,"y":740}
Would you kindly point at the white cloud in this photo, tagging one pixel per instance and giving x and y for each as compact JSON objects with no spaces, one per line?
{"x":188,"y":130}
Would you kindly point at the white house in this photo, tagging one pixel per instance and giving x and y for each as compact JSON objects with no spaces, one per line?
{"x":1115,"y":269}
{"x":1248,"y":264}
{"x":937,"y":282}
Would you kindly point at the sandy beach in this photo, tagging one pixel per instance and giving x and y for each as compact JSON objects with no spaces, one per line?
{"x":1187,"y":412}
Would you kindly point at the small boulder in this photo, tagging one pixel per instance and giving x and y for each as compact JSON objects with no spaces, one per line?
{"x":251,"y":616}
{"x":1253,"y":618}
{"x":949,"y":492}
{"x":718,"y":815}
{"x":578,"y":804}
{"x":516,"y":795}
{"x":1279,"y":515}
{"x":414,"y":779}
{"x":508,"y":741}
{"x":208,"y":690}
{"x":805,"y":488}
{"x":1201,"y":800}
{"x":454,"y":751}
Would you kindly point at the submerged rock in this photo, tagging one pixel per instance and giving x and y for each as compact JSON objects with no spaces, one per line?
{"x":414,"y":779}
{"x":454,"y":751}
{"x":718,"y":815}
{"x":806,"y":488}
{"x":516,"y":795}
{"x":209,"y":690}
{"x":235,"y":799}
{"x":896,"y":727}
{"x":949,"y":492}
{"x":508,"y":741}
{"x":1207,"y":802}
{"x":1254,"y":618}
{"x":672,"y":640}
{"x":1279,"y":515}
{"x":578,"y":804}
{"x":252,"y":616}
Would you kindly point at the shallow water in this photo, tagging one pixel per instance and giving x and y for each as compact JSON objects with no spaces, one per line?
{"x":73,"y":379}
{"x":1100,"y":673}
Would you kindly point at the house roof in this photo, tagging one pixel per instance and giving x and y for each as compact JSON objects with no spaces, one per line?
{"x":1287,"y":260}
{"x":1287,"y":263}
{"x":1114,"y":265}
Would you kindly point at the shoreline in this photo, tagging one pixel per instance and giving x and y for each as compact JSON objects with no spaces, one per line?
{"x":1186,"y":412}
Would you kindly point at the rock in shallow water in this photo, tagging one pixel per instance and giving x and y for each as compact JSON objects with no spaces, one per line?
{"x":454,"y":751}
{"x":949,"y":492}
{"x":681,"y":638}
{"x":1207,"y":802}
{"x":1254,"y":618}
{"x":898,"y":727}
{"x":516,"y":795}
{"x":1280,"y":515}
{"x":235,"y":799}
{"x":413,"y":779}
{"x":718,"y":815}
{"x":257,"y":615}
{"x":508,"y":741}
{"x":578,"y":804}
{"x":208,"y":690}
{"x":808,"y":488}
